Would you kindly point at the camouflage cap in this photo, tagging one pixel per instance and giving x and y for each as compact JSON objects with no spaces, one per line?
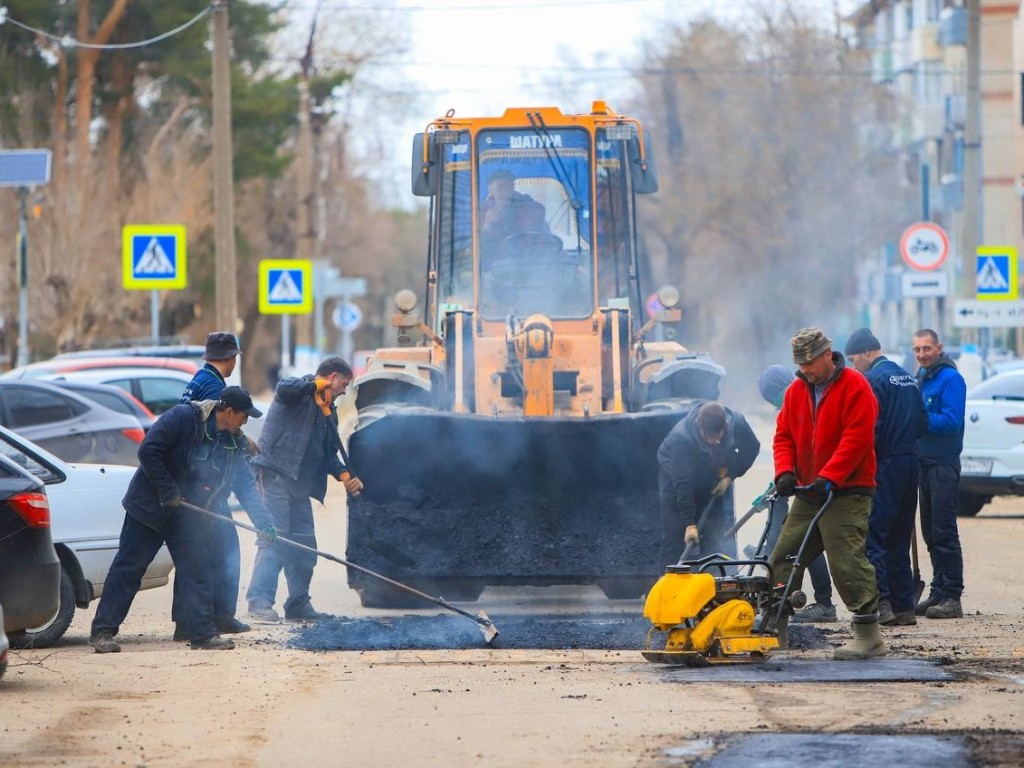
{"x":808,"y":343}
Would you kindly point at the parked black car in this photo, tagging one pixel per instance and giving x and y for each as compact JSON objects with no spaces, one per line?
{"x":29,"y":567}
{"x":68,"y":425}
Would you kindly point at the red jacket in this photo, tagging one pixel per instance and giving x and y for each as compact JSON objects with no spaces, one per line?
{"x":836,"y":441}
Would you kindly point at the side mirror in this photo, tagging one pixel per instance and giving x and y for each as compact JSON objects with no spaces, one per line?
{"x":425,"y":175}
{"x":645,"y":175}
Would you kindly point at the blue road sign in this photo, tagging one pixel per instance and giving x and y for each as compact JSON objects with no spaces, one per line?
{"x":286,"y":286}
{"x":996,"y":278}
{"x":154,"y":257}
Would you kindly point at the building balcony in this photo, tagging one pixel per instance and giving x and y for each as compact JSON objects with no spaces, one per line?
{"x":881,"y":65}
{"x":924,"y":44}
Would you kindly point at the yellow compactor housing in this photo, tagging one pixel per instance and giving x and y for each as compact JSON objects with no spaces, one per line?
{"x":701,"y":628}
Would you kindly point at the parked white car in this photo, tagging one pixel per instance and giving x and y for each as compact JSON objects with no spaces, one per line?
{"x":992,"y":461}
{"x":85,"y":518}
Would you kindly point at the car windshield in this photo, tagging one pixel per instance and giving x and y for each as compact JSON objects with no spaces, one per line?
{"x":1002,"y":387}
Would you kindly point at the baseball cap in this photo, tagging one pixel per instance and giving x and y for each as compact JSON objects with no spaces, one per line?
{"x":240,"y":400}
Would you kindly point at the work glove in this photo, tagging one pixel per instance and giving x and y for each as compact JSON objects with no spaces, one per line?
{"x":266,"y":536}
{"x":820,"y":487}
{"x":352,"y":484}
{"x":692,"y":536}
{"x":721,"y":486}
{"x":786,"y":484}
{"x":175,"y":502}
{"x":323,"y":395}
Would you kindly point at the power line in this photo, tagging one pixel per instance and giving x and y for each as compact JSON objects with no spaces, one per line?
{"x":67,"y":41}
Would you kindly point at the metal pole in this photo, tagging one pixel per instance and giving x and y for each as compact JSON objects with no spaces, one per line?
{"x":22,"y":276}
{"x":226,"y":289}
{"x":971,"y":221}
{"x":286,"y":347}
{"x":154,"y":314}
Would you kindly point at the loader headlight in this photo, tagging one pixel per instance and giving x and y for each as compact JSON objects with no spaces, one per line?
{"x":405,"y":301}
{"x":668,"y":295}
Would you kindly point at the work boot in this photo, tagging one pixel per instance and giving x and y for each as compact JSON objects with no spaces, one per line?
{"x":180,"y":632}
{"x":231,"y":626}
{"x":905,"y":618}
{"x":922,"y":607}
{"x":885,"y":614}
{"x":264,"y":613}
{"x":305,"y":613}
{"x":948,"y":608}
{"x":103,"y":642}
{"x":815,"y":613}
{"x":215,"y":643}
{"x":867,"y":640}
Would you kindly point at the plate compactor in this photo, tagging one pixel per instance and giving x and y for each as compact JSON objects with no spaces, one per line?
{"x":706,"y":612}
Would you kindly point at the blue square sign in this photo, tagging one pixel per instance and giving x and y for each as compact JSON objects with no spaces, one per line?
{"x":996,"y":278}
{"x":286,"y":286}
{"x":154,"y":256}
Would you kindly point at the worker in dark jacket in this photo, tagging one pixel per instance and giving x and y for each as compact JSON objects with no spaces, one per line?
{"x":945,"y":401}
{"x":299,"y":449}
{"x":221,"y":356}
{"x":825,"y":441}
{"x":901,"y":421}
{"x":190,"y":454}
{"x":698,"y":460}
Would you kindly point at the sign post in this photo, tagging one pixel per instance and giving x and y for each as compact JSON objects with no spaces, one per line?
{"x":285,"y":288}
{"x":153,"y":258}
{"x":23,"y":168}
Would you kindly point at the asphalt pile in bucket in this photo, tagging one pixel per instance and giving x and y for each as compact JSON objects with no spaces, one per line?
{"x":518,"y":631}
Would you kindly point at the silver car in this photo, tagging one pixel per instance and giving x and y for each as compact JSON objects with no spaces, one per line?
{"x":85,"y":518}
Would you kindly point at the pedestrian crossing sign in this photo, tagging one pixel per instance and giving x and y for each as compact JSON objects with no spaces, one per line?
{"x":286,"y":287}
{"x":153,"y":256}
{"x":997,"y":273}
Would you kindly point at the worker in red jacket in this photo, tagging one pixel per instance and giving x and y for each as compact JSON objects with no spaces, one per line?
{"x":825,"y":439}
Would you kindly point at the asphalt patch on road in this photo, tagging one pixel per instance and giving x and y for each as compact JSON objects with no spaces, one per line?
{"x":517,"y":631}
{"x":829,"y":750}
{"x":887,"y":670}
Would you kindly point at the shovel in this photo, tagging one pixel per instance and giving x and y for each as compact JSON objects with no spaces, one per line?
{"x":483,"y":623}
{"x":918,"y":581}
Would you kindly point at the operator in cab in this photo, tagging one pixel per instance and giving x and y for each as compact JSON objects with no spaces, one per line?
{"x":505,"y":212}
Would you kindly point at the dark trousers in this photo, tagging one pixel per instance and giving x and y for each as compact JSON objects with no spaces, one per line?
{"x":890,"y":527}
{"x":841,"y":532}
{"x":818,"y":568}
{"x":940,"y":502}
{"x":292,"y":512}
{"x":186,"y":537}
{"x":225,"y":572}
{"x":718,"y":519}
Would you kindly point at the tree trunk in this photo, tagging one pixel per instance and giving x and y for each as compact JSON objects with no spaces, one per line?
{"x":87,"y":58}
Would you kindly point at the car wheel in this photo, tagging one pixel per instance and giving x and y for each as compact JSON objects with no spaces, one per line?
{"x":972,"y":503}
{"x":48,"y":634}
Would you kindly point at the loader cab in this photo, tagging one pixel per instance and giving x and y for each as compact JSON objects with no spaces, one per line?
{"x":530,"y":217}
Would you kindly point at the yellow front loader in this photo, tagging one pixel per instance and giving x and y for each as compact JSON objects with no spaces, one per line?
{"x":509,"y":437}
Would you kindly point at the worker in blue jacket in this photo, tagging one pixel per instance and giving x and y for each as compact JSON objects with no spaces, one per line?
{"x":901,"y":421}
{"x":221,"y":357}
{"x":191,"y":454}
{"x":945,"y":401}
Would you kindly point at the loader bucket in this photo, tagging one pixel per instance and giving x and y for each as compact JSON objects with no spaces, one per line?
{"x":454,"y":503}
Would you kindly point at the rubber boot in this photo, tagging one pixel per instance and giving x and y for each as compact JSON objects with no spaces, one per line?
{"x":783,"y":632}
{"x":867,"y":640}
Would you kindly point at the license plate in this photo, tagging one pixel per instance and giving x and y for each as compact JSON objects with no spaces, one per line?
{"x":975,"y":466}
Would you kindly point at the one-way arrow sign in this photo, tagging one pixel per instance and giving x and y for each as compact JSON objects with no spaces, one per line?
{"x":988,"y":314}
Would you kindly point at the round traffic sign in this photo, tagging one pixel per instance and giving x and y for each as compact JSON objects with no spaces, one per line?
{"x":924,"y":246}
{"x":347,"y":316}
